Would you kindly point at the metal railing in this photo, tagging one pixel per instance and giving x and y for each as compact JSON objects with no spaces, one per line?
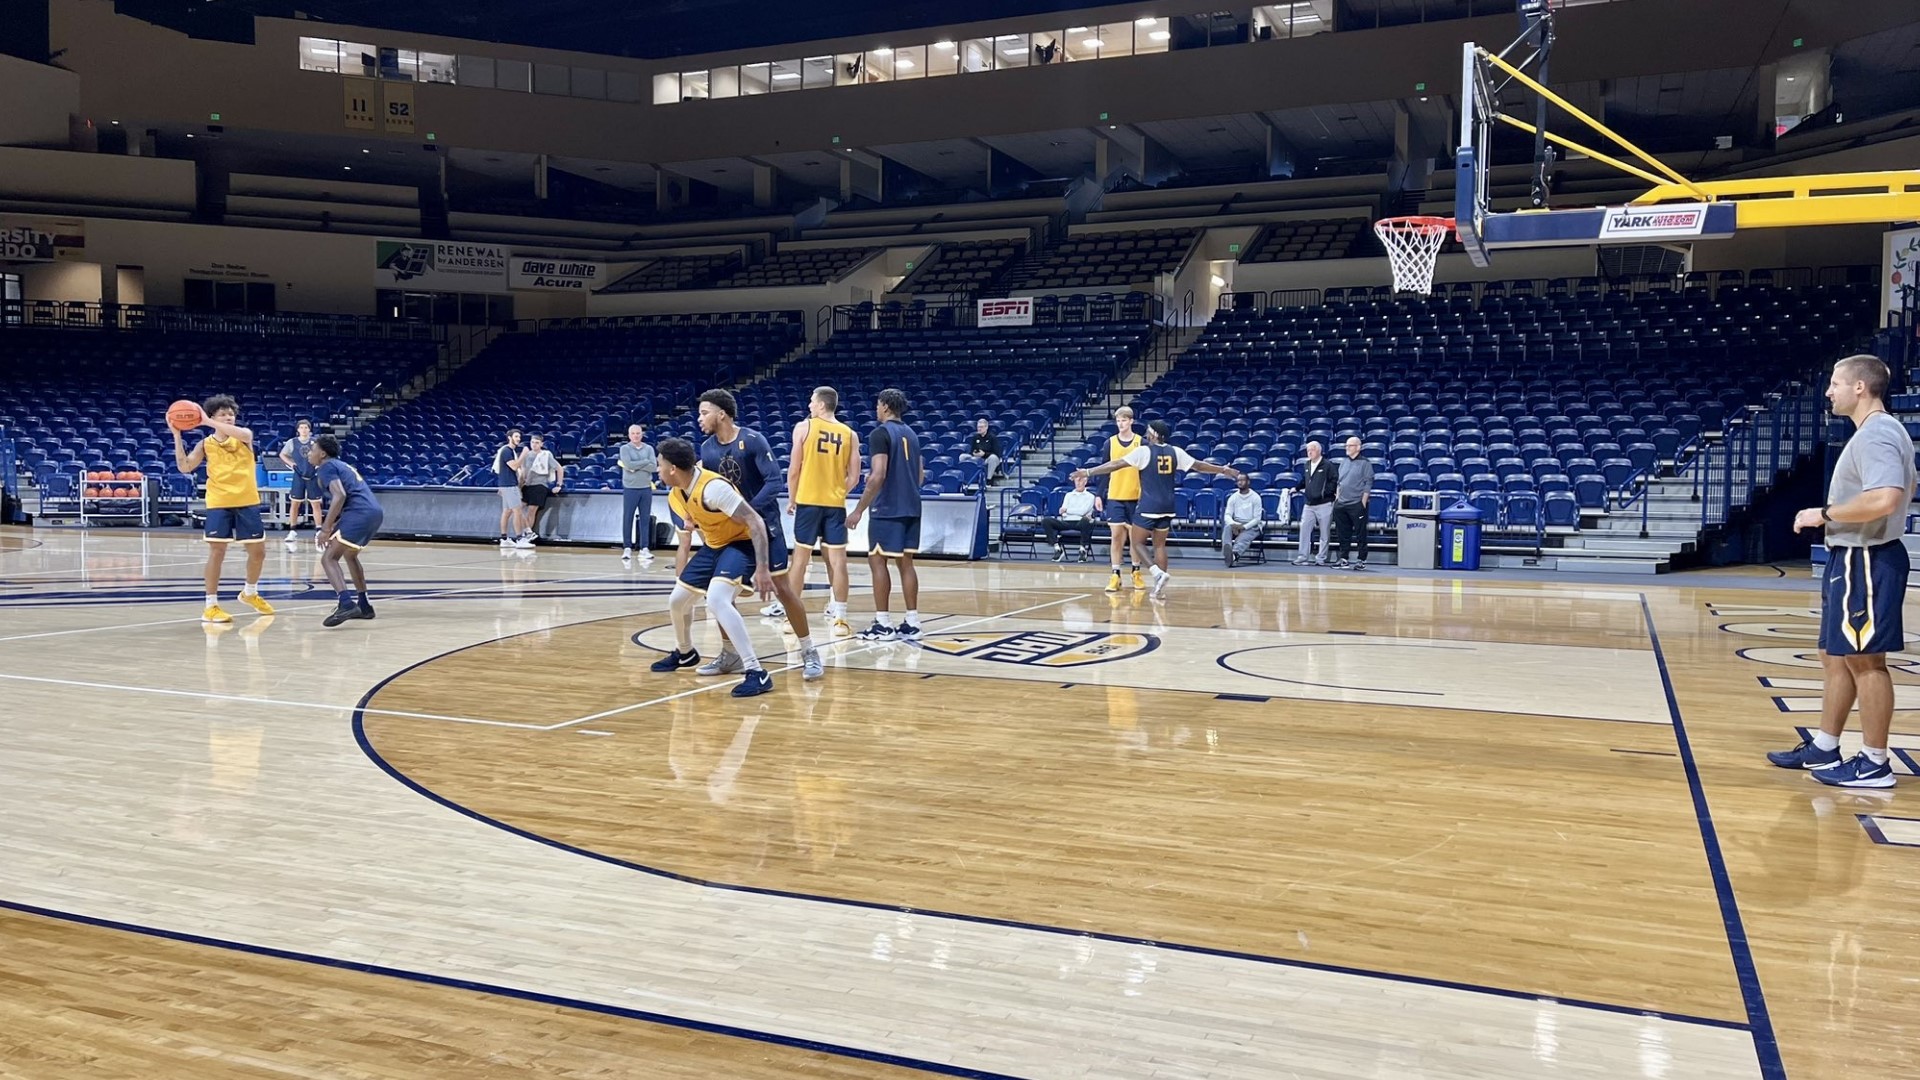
{"x":1754,"y":450}
{"x":78,"y":315}
{"x":1071,"y":309}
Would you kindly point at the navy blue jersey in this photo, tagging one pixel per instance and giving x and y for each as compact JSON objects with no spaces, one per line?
{"x":359,"y":495}
{"x":1160,"y":468}
{"x":746,"y":462}
{"x":899,"y":495}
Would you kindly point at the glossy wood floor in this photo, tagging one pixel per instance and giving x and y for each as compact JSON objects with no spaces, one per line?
{"x":1277,"y":824}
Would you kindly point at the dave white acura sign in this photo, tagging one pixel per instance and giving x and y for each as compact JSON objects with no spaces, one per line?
{"x":574,"y":275}
{"x":1672,"y":222}
{"x":1017,"y":311}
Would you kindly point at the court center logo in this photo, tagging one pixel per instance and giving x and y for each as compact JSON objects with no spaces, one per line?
{"x":1043,"y":648}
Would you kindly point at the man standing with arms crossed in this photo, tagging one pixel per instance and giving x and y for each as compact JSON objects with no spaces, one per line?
{"x":305,"y":489}
{"x":825,"y":465}
{"x":637,"y":466}
{"x":1350,"y":506}
{"x":893,"y":490}
{"x":1866,"y":580}
{"x":507,"y":459}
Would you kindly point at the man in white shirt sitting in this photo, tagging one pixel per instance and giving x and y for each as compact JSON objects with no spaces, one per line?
{"x":1242,"y":522}
{"x":1079,"y":511}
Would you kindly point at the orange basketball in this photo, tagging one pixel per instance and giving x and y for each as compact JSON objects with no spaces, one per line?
{"x":185,"y":416}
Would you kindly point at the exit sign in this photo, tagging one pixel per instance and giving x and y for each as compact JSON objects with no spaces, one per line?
{"x":1420,"y":87}
{"x":1103,"y":116}
{"x":1233,"y":249}
{"x":214,"y":116}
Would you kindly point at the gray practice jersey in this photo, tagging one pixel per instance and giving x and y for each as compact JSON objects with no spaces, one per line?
{"x":1879,"y":455}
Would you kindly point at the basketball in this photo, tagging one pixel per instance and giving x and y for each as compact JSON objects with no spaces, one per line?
{"x":185,"y":416}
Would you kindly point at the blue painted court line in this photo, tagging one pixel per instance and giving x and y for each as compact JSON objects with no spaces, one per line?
{"x":511,"y":992}
{"x":366,"y":747}
{"x":1765,"y":1046}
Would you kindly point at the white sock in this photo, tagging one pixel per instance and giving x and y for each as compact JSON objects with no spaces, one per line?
{"x":1878,"y":757}
{"x":1824,"y":741}
{"x":213,"y":599}
{"x":913,"y":617}
{"x":836,"y":609}
{"x":249,"y":589}
{"x":883,"y":618}
{"x":806,"y":643}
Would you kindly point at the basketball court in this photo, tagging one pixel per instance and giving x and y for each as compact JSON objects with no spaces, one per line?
{"x":1279,"y":824}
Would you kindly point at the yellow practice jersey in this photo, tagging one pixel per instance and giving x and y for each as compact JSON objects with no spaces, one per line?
{"x":717,"y":528}
{"x":1123,"y":484}
{"x":827,"y":447}
{"x":230,"y":479}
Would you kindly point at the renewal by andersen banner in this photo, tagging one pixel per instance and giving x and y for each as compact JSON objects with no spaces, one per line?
{"x":41,"y":239}
{"x":440,"y":266}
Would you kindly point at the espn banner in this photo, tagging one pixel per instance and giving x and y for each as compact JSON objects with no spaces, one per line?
{"x":1016,"y":311}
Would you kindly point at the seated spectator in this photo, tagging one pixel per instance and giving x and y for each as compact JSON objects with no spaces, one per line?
{"x":985,"y":448}
{"x":1241,"y":522}
{"x":1079,"y":515}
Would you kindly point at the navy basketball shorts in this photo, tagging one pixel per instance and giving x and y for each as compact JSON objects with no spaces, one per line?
{"x":234,"y":525}
{"x":820,"y":525}
{"x":1861,"y":599}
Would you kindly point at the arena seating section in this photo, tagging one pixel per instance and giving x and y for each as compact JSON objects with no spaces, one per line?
{"x":1296,"y":241}
{"x":577,"y":387}
{"x":1536,"y":408}
{"x":962,"y":267}
{"x":1024,"y":380}
{"x":676,"y":272}
{"x":95,"y":400}
{"x":806,"y":266}
{"x":1091,"y":260}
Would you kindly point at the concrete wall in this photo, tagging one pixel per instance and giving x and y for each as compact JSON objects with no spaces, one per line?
{"x":41,"y":102}
{"x":71,"y":178}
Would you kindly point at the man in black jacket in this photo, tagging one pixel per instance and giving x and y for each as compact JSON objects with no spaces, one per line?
{"x":985,"y":449}
{"x":1319,"y":479}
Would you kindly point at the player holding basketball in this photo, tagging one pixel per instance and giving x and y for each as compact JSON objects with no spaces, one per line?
{"x":233,"y":501}
{"x":742,"y":457}
{"x":733,"y":539}
{"x":825,"y":466}
{"x":1158,"y":466}
{"x":893,"y":490}
{"x":1123,"y":501}
{"x":1866,"y":580}
{"x":353,"y":516}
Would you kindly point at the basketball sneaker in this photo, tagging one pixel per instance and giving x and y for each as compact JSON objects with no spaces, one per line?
{"x":1059,"y":554}
{"x":1160,"y":579}
{"x":842,"y":628}
{"x":676,"y":660}
{"x":1805,"y":756}
{"x":1086,"y":554}
{"x":341,"y":614}
{"x":907,"y":631}
{"x":293,"y":539}
{"x":1113,"y":583}
{"x":879,"y":631}
{"x":1139,"y":580}
{"x":775,"y":610}
{"x":811,"y":666}
{"x":215,"y":615}
{"x":756,"y":683}
{"x":366,"y":609}
{"x":626,"y":555}
{"x":1858,"y":771}
{"x":506,"y":544}
{"x":524,"y":542}
{"x":257,"y":602}
{"x":726,"y":663}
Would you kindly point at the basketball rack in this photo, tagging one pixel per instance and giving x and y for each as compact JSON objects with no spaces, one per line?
{"x":1673,"y":209}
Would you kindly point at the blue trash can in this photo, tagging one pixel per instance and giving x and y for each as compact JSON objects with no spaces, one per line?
{"x":1460,"y":537}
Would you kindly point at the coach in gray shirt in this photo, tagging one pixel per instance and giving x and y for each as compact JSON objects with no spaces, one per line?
{"x":637,"y":466}
{"x":1350,"y":506}
{"x":1865,"y":584}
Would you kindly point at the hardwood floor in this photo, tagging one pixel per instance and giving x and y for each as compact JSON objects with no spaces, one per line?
{"x":1278,"y":823}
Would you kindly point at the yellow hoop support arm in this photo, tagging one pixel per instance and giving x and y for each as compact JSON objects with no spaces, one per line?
{"x":1596,"y":125}
{"x":1775,"y":202}
{"x":1657,"y":181}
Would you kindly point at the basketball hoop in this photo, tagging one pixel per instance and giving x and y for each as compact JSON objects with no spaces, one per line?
{"x":1413,"y":244}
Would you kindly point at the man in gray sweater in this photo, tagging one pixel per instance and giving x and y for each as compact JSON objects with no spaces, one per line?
{"x":1350,"y":506}
{"x":638,"y":463}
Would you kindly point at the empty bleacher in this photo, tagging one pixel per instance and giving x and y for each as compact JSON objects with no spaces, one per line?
{"x":579,"y":386}
{"x":674,"y":272}
{"x":801,"y":266}
{"x":1297,"y":241}
{"x":1091,"y":260}
{"x":962,"y":267}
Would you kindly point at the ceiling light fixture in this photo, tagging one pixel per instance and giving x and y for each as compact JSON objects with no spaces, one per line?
{"x":1092,"y":43}
{"x":1218,"y":281}
{"x":1076,"y":29}
{"x":785,"y":76}
{"x":883,"y":51}
{"x":904,"y":64}
{"x":1161,"y":35}
{"x":948,"y":45}
{"x":1148,"y":21}
{"x":1003,"y":52}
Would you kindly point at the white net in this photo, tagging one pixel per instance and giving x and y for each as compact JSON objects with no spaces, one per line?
{"x":1413,"y":246}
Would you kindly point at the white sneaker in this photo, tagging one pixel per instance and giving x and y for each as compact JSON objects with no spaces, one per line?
{"x":775,"y":610}
{"x":811,"y":666}
{"x":1160,"y":579}
{"x":626,"y":555}
{"x":293,"y":539}
{"x":727,"y":663}
{"x":524,"y":542}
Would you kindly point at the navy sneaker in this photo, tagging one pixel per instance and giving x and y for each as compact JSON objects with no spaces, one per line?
{"x":906,"y":631}
{"x":757,"y":682}
{"x":879,"y":631}
{"x":366,"y":609}
{"x":1805,"y":756}
{"x":1858,"y":771}
{"x":676,"y":660}
{"x":341,"y":614}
